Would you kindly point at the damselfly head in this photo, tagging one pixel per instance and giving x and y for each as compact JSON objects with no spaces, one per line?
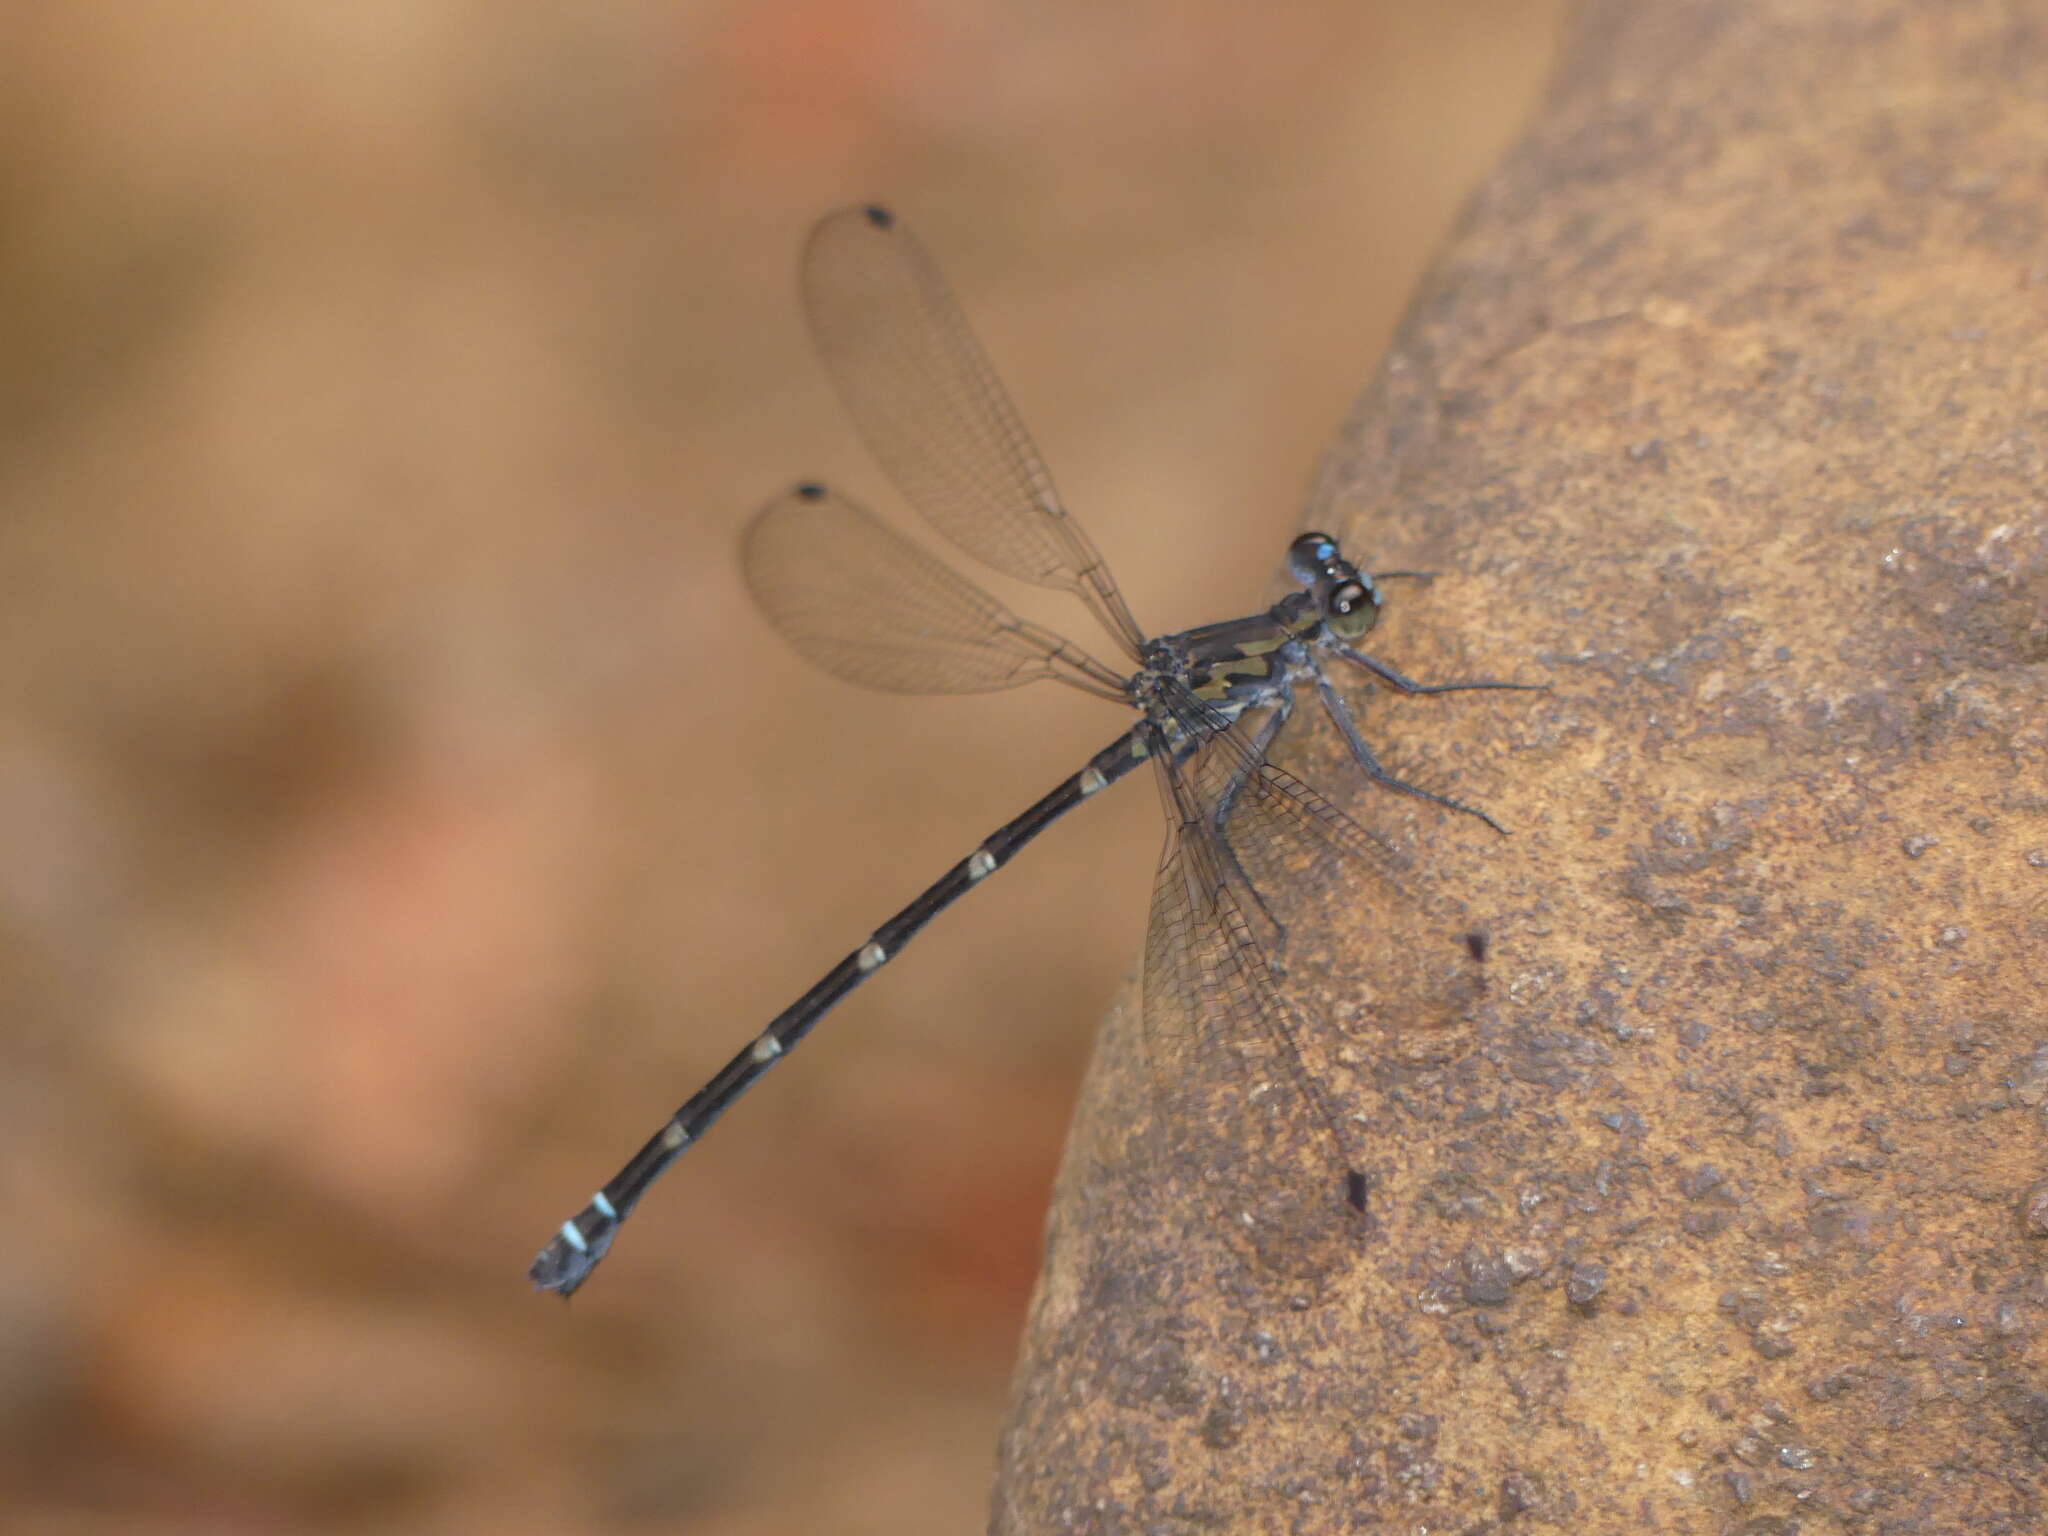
{"x":1346,"y":596}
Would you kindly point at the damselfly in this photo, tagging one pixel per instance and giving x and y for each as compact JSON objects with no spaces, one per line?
{"x":1246,"y":839}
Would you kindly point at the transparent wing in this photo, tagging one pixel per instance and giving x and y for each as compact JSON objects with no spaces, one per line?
{"x":1271,"y":820}
{"x":1216,"y":1016}
{"x":864,"y":603}
{"x":1249,"y":1030}
{"x":926,"y":400}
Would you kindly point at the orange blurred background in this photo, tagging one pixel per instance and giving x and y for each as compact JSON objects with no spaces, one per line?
{"x":402,"y":809}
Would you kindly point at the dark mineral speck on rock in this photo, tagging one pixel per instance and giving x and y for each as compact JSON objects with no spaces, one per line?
{"x":1583,"y":1285}
{"x":2037,"y":1211}
{"x":1488,"y":1282}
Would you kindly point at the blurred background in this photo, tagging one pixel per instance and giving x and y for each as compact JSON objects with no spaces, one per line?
{"x":402,"y":810}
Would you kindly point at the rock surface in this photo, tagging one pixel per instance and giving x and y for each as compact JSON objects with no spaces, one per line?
{"x":1725,"y":415}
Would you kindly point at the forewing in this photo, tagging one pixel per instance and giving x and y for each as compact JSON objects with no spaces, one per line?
{"x":927,"y":401}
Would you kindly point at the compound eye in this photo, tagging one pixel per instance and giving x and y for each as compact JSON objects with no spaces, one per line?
{"x":1309,"y":554}
{"x":1352,"y":609}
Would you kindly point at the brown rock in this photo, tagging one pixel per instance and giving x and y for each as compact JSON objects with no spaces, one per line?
{"x":1726,"y":414}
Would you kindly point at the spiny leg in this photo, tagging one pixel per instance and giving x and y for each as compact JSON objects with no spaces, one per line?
{"x":1402,"y":683}
{"x":1219,"y":816}
{"x":1261,"y":743}
{"x":1339,"y":711}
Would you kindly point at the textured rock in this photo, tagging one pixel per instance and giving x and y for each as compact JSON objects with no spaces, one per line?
{"x":1725,"y":413}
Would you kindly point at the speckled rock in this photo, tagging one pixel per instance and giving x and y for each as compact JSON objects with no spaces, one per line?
{"x":1722,"y":1209}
